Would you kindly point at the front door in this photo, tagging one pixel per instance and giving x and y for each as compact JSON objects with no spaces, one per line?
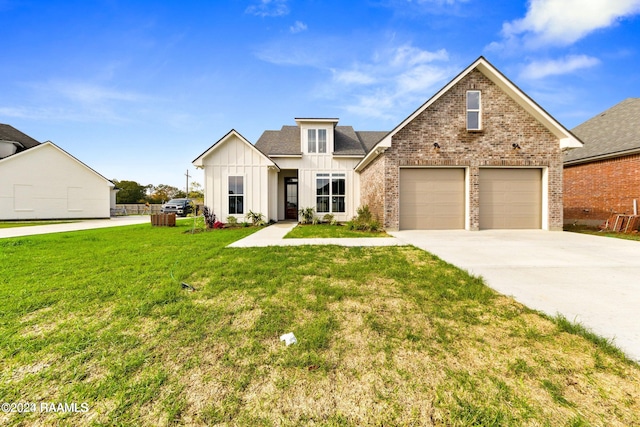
{"x":291,"y":198}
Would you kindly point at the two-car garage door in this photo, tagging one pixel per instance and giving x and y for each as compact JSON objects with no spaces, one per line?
{"x":434,"y":198}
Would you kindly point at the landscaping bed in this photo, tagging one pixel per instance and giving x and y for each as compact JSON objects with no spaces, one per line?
{"x":306,"y":231}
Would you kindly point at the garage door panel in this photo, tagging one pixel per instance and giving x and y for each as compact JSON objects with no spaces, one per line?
{"x":431,"y":198}
{"x":510,"y":198}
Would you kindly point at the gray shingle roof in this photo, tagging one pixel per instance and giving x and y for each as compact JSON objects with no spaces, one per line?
{"x":370,"y":138}
{"x":614,"y":131}
{"x":286,"y":141}
{"x":9,"y":133}
{"x":346,"y":142}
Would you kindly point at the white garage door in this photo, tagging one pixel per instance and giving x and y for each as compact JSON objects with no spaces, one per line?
{"x":431,"y":199}
{"x":510,"y":198}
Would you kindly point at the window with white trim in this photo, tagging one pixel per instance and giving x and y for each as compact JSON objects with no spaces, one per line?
{"x":474,"y":118}
{"x":316,"y":140}
{"x":236,"y":195}
{"x":330,"y":193}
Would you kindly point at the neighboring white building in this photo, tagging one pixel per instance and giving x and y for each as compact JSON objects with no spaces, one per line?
{"x":42,"y":181}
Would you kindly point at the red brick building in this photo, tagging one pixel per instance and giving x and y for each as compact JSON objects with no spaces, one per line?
{"x":480,"y":154}
{"x":603,"y":177}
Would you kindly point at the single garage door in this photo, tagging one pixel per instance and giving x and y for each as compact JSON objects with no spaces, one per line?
{"x":510,"y":198}
{"x":431,"y":199}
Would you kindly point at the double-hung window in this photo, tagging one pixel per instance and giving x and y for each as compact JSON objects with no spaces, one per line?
{"x":330,"y":193}
{"x":474,"y":118}
{"x":236,"y":195}
{"x":316,"y":140}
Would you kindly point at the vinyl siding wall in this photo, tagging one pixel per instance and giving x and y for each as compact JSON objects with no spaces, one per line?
{"x":46,"y":183}
{"x":308,"y":167}
{"x":235,"y":158}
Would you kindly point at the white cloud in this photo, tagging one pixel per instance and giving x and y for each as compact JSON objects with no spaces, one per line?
{"x":563,"y":22}
{"x":420,"y":79}
{"x":353,"y":77}
{"x":269,"y":8}
{"x":92,"y":94}
{"x":411,"y":56}
{"x":75,"y":101}
{"x":387,"y":84}
{"x":298,"y":27}
{"x":569,"y":64}
{"x":395,"y":78}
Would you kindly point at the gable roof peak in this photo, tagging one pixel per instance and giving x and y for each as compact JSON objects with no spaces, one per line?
{"x":565,"y":137}
{"x":198,"y":161}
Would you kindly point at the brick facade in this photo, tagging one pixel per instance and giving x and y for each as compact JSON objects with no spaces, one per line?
{"x":593,"y":191}
{"x":372,"y":191}
{"x":504,"y":123}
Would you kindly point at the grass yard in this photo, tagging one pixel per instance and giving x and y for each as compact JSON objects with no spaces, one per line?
{"x":386,"y":336}
{"x":13,"y":224}
{"x":597,"y":232}
{"x":305,"y":231}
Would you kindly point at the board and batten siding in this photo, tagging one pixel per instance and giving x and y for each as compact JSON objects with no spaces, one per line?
{"x":236,"y":158}
{"x":308,"y":166}
{"x":44,"y":182}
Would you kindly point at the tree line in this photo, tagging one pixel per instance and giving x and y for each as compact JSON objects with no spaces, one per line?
{"x":133,"y":192}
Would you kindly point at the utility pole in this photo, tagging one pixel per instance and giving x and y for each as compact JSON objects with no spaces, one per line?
{"x":187,"y":188}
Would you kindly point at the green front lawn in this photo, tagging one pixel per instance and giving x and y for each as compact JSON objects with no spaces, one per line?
{"x":306,"y":231}
{"x":386,"y":336}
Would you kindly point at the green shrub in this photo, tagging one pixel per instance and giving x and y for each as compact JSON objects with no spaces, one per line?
{"x":232,"y":221}
{"x":307,"y":215}
{"x":364,"y":220}
{"x":256,"y":218}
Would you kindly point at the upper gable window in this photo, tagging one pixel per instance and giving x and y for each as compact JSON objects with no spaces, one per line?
{"x":316,"y":140}
{"x":474,"y":117}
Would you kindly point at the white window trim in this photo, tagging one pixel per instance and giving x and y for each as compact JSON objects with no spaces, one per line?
{"x":474,"y":110}
{"x":331,"y":176}
{"x":236,"y":194}
{"x":311,"y":132}
{"x":316,"y":140}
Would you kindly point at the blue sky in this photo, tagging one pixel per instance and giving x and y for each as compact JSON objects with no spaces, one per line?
{"x":138,"y":89}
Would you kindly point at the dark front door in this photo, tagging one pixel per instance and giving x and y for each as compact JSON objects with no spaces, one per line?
{"x":291,"y":198}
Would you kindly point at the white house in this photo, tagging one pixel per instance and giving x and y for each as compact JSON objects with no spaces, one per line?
{"x":308,"y":165}
{"x":42,"y":181}
{"x":479,"y":154}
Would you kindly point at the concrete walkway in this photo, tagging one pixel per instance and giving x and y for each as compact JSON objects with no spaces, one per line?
{"x":592,"y":280}
{"x":273,"y":235}
{"x":32,"y":230}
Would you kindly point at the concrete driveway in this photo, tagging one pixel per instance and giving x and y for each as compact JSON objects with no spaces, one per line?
{"x":592,"y":280}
